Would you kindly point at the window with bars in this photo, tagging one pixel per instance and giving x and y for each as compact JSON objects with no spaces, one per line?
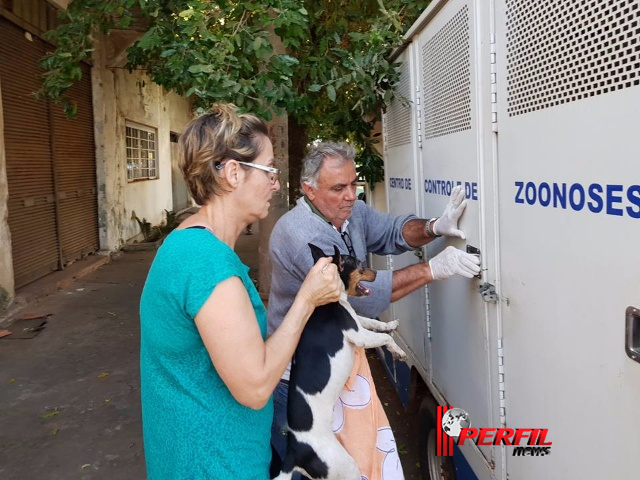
{"x":142,"y":153}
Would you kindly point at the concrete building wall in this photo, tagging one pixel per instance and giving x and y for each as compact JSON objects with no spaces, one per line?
{"x":6,"y":262}
{"x":110,"y":185}
{"x":179,"y":117}
{"x":178,"y":111}
{"x":142,"y":102}
{"x":121,"y":97}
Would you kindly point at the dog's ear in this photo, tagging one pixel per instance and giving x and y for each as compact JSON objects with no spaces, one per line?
{"x":316,"y":252}
{"x":337,"y":258}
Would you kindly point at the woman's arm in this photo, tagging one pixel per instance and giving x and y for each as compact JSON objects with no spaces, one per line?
{"x":249,"y":366}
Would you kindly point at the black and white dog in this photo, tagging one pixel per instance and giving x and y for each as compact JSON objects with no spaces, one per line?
{"x":321,"y":365}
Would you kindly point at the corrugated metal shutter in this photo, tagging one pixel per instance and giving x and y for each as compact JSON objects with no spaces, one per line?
{"x":50,"y":163}
{"x":32,"y":218}
{"x":75,"y":168}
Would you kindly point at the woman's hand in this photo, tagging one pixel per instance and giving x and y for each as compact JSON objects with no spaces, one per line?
{"x":322,"y":284}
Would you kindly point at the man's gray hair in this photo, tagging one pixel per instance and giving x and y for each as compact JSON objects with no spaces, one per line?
{"x":312,"y":162}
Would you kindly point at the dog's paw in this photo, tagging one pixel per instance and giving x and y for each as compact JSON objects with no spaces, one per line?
{"x":397,"y":352}
{"x":392,"y":325}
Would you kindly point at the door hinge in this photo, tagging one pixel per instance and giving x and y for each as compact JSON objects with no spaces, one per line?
{"x":419,"y":116}
{"x":501,"y":385}
{"x":494,"y":85}
{"x":427,"y":307}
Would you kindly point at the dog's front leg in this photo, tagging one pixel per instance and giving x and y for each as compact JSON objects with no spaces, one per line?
{"x":369,"y":339}
{"x":377,"y":325}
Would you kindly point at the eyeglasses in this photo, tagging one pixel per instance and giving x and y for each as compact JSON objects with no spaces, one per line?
{"x":346,"y":238}
{"x":273,"y":173}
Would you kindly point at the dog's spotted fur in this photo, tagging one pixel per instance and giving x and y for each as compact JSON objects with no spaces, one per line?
{"x":321,"y":365}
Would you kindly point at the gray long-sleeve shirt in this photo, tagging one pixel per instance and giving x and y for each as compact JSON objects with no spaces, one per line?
{"x":370,"y":231}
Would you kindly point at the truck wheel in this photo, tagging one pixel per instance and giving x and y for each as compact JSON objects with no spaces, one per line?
{"x":432,"y":467}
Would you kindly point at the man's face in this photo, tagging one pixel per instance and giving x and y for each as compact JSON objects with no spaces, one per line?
{"x":336,"y":192}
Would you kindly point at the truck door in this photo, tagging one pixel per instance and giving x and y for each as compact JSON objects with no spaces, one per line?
{"x":402,"y":186}
{"x":457,"y":149}
{"x":569,"y":184}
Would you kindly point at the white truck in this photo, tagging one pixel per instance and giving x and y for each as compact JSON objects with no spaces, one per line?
{"x":533,"y":106}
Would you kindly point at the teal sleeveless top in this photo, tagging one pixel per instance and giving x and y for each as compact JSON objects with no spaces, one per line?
{"x":193,"y":428}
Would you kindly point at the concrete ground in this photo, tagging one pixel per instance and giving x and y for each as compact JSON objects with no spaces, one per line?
{"x":69,"y":393}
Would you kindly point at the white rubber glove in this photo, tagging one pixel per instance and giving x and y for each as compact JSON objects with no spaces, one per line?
{"x":447,"y":224}
{"x":453,"y":261}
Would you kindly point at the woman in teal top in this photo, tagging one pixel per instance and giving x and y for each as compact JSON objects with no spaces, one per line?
{"x":207,"y":368}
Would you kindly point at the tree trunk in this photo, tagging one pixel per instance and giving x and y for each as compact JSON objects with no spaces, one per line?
{"x":279,"y":204}
{"x":278,"y":133}
{"x":298,"y":138}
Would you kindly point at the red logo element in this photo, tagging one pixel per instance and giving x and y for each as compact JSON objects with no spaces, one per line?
{"x":534,"y":438}
{"x":444,"y":443}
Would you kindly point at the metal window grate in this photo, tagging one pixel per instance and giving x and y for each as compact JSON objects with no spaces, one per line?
{"x":565,"y":50}
{"x":446,"y":78}
{"x":141,"y":153}
{"x":399,"y":112}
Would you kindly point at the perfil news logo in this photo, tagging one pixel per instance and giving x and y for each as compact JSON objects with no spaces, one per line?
{"x":454,"y":423}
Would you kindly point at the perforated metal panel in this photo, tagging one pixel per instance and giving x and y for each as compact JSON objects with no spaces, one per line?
{"x":446,"y":78}
{"x":398,"y":115}
{"x":565,"y":50}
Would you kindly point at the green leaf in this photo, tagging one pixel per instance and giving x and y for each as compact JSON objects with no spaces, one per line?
{"x":51,"y":414}
{"x":70,"y":109}
{"x":331,"y":93}
{"x":314,"y":88}
{"x":201,"y":68}
{"x":289,"y":60}
{"x":147,"y":39}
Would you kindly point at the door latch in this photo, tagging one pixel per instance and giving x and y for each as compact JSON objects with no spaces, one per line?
{"x":474,"y":251}
{"x":488,"y":292}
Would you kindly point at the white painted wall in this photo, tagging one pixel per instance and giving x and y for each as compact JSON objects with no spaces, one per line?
{"x":120,"y":96}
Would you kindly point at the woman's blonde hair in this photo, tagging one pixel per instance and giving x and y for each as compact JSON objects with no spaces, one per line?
{"x":220,"y":134}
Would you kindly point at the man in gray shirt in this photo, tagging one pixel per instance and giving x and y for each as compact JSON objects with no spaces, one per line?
{"x":329,"y":214}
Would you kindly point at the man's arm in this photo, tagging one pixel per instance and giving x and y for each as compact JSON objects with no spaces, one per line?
{"x":415,"y":233}
{"x":451,"y":261}
{"x":409,"y":279}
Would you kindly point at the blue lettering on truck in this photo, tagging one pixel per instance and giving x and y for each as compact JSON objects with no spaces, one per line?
{"x":610,"y":199}
{"x":444,"y":187}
